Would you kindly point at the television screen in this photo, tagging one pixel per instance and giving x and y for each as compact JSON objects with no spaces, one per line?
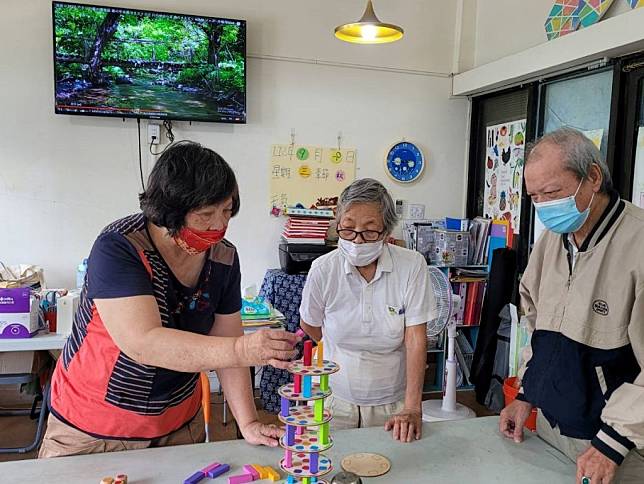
{"x":135,"y":63}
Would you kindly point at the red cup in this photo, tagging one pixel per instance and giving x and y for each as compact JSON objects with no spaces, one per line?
{"x":510,"y":392}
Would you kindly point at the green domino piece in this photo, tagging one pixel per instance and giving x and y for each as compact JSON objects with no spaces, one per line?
{"x":324,"y":383}
{"x":323,"y":434}
{"x":319,"y":410}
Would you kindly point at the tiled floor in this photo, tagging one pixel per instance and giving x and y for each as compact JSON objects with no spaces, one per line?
{"x":19,"y":430}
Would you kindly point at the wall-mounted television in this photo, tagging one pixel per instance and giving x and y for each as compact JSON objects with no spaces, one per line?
{"x":135,"y":63}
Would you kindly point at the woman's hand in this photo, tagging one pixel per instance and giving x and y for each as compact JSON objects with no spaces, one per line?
{"x":257,"y":433}
{"x":267,"y":347}
{"x":407,"y":425}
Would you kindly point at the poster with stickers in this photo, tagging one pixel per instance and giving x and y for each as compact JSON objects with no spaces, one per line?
{"x":309,"y":175}
{"x":505,"y":149}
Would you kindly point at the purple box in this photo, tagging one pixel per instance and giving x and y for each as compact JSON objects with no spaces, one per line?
{"x":18,"y":317}
{"x":15,"y":300}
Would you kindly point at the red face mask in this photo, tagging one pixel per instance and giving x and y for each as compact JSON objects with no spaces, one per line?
{"x":197,"y":241}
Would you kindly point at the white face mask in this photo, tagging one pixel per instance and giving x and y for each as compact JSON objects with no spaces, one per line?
{"x":360,"y":255}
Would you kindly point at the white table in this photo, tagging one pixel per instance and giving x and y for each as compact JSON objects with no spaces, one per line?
{"x":467,"y":451}
{"x":50,"y":341}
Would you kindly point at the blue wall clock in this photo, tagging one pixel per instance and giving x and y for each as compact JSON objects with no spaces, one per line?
{"x":404,"y":162}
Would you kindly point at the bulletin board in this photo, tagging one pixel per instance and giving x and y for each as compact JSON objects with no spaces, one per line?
{"x":309,"y":174}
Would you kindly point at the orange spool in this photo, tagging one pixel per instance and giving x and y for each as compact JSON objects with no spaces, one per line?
{"x":510,"y":392}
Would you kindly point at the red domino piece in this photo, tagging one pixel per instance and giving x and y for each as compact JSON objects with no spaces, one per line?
{"x":308,"y":350}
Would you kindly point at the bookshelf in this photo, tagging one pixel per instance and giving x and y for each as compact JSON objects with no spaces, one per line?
{"x":468,"y":334}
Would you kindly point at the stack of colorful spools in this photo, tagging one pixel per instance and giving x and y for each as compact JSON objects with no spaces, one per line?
{"x":307,"y":423}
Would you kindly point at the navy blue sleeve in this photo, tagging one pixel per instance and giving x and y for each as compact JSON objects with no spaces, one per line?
{"x":230,"y":301}
{"x":115,"y":269}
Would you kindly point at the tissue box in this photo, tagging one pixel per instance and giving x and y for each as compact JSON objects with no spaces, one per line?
{"x":18,"y":313}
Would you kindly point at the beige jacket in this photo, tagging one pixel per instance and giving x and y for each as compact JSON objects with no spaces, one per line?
{"x":587,"y":315}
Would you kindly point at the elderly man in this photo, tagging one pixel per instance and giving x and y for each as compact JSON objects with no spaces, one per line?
{"x":583,"y":294}
{"x":372,"y":301}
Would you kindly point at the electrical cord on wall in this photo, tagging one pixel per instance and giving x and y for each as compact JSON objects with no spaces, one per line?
{"x":138,"y":123}
{"x":167,"y":124}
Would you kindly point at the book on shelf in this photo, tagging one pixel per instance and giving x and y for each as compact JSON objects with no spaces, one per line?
{"x":474,"y":303}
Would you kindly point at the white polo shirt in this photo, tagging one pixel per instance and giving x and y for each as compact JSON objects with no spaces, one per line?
{"x":364,"y":323}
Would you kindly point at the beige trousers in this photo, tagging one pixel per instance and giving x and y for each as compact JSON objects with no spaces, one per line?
{"x":62,"y":440}
{"x":350,"y":416}
{"x":630,"y":472}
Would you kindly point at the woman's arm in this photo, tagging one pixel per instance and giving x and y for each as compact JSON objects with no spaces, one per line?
{"x":407,"y":425}
{"x":416,"y":346}
{"x":135,"y":326}
{"x":238,"y":389}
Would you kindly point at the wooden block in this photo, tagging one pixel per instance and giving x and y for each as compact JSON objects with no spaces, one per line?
{"x":305,"y":480}
{"x":323,"y":434}
{"x":122,"y":477}
{"x":318,"y":410}
{"x":297,"y":383}
{"x":107,"y":480}
{"x":219,"y":470}
{"x":263,"y":473}
{"x":240,"y":479}
{"x":212,"y":466}
{"x":195,"y":478}
{"x":288,"y":458}
{"x":250,"y":470}
{"x":320,"y":354}
{"x":290,"y":435}
{"x":314,"y":462}
{"x":308,"y":349}
{"x":324,"y":383}
{"x":307,"y":384}
{"x":273,"y":475}
{"x":286,"y":405}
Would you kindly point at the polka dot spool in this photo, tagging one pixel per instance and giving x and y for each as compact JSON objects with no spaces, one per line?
{"x":304,"y":416}
{"x":300,"y":465}
{"x":307,"y":442}
{"x":287,"y":391}
{"x":328,"y":368}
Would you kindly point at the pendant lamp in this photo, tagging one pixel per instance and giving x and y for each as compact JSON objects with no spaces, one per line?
{"x":369,"y":30}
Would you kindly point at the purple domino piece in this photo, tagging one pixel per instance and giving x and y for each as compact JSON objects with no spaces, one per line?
{"x":314,"y":463}
{"x":248,"y":469}
{"x":219,"y":470}
{"x":195,"y":478}
{"x":290,"y":435}
{"x":212,"y":466}
{"x":240,"y":479}
{"x":286,"y":405}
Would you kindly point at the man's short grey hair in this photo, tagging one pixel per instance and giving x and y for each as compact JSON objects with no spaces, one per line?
{"x":368,"y":190}
{"x":579,"y":153}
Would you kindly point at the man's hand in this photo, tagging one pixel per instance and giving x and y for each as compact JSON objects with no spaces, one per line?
{"x":513,"y":419}
{"x":596,"y":466}
{"x":407,"y":425}
{"x":257,"y":433}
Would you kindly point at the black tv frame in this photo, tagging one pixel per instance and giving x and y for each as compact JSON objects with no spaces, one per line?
{"x":143,"y":115}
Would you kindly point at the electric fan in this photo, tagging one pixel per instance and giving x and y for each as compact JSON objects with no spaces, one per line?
{"x":447,"y":305}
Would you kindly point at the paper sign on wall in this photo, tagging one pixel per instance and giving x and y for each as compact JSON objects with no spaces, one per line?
{"x":638,"y":180}
{"x":306,"y":174}
{"x":595,"y":135}
{"x":504,"y":162}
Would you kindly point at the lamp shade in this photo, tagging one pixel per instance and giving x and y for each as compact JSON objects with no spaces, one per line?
{"x":369,"y":29}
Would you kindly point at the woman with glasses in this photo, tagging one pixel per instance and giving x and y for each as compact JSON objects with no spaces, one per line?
{"x":160,"y":304}
{"x":371,"y":301}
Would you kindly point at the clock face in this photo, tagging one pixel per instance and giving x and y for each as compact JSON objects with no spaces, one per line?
{"x":405,"y":162}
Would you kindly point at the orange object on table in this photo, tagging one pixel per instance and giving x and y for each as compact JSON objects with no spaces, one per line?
{"x":511,"y":388}
{"x":205,"y":402}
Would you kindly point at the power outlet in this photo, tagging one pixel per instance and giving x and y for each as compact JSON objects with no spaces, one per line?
{"x":154,"y":134}
{"x":416,"y":211}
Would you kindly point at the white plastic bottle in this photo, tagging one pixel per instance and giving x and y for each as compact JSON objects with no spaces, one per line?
{"x":80,"y":274}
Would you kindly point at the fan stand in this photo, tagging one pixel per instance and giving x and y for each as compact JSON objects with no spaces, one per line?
{"x":448,"y":408}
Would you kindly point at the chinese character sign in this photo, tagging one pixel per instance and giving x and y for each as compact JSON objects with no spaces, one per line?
{"x":304,"y":174}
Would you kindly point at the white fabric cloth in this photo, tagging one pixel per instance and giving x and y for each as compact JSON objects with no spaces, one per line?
{"x":363,"y":324}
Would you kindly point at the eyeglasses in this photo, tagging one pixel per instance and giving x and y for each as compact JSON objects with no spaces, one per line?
{"x":367,"y":235}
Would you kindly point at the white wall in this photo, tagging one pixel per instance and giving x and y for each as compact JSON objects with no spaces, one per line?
{"x":505,"y":27}
{"x":62,"y":178}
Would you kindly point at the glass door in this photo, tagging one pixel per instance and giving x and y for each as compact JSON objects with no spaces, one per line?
{"x":635,"y":135}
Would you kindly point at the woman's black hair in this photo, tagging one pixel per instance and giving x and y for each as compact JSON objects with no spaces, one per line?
{"x":186,"y":177}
